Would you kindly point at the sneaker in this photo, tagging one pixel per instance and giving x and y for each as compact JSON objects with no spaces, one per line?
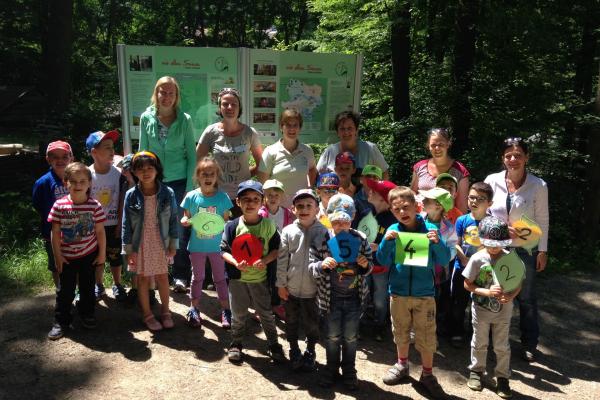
{"x":152,"y":297}
{"x":279,"y":312}
{"x":474,"y":382}
{"x":226,"y":319}
{"x":296,"y":359}
{"x":56,"y":332}
{"x":309,"y":361}
{"x":119,"y":293}
{"x":193,"y":318}
{"x":431,"y":384}
{"x":179,"y":286}
{"x":503,"y":388}
{"x":89,"y":322}
{"x":350,"y":382}
{"x":412,"y":337}
{"x":396,"y":374}
{"x":99,"y":291}
{"x":528,"y":355}
{"x":276,"y":353}
{"x":327,"y":378}
{"x":457,"y":341}
{"x":76,"y":298}
{"x":234,"y":353}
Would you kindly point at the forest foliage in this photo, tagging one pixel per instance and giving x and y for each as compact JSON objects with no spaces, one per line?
{"x":486,"y":69}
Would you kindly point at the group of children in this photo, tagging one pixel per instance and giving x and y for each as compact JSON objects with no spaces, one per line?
{"x":322,"y":259}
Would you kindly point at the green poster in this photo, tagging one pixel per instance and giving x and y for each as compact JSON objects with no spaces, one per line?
{"x":412,"y":249}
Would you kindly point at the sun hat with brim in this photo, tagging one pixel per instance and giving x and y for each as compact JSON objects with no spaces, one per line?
{"x":446,"y":175}
{"x":493,"y":232}
{"x":96,"y":137}
{"x":273,"y":184}
{"x":340,"y":208}
{"x":303,"y":194}
{"x":372,"y":170}
{"x":250,"y":185}
{"x":442,"y":196}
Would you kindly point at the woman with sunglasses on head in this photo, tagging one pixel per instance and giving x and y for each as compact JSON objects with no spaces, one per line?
{"x":167,"y":131}
{"x":231,"y":143}
{"x":518,"y":193}
{"x":425,"y":172}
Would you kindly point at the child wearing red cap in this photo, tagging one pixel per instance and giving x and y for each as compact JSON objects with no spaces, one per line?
{"x":47,"y":190}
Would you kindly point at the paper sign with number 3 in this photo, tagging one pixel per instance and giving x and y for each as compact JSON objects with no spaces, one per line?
{"x":412,"y":249}
{"x":344,"y":247}
{"x":247,"y":247}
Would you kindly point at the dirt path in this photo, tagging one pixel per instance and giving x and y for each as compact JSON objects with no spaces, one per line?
{"x":122,"y":360}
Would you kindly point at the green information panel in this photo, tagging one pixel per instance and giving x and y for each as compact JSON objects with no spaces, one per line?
{"x":412,"y":249}
{"x":200,"y":72}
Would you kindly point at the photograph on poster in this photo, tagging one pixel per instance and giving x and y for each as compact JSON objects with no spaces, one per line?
{"x":140,"y":63}
{"x":265,"y":86}
{"x":265,"y":118}
{"x":264,"y":102}
{"x":265,"y":69}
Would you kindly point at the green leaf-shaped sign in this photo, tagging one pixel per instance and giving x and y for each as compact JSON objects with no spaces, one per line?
{"x":369,"y":226}
{"x":207,"y":224}
{"x":509,"y":271}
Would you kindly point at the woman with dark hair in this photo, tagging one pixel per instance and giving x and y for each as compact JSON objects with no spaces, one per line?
{"x":425,"y":172}
{"x":518,"y":193}
{"x":231,"y":143}
{"x":167,"y":131}
{"x":365,"y":153}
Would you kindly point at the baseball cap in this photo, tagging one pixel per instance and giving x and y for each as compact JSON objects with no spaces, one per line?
{"x":96,"y":137}
{"x":303,"y":193}
{"x":340,"y":208}
{"x":442,"y":196}
{"x":273,"y":184}
{"x":372,"y":170}
{"x":59,"y":145}
{"x":126,"y":162}
{"x":446,"y":175}
{"x":328,"y":180}
{"x":345,"y":158}
{"x":493,"y":232}
{"x":250,"y":185}
{"x":381,"y":187}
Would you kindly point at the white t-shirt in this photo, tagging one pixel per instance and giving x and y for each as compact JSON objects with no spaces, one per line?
{"x":290,"y":168}
{"x":106,"y":189}
{"x":232,"y":154}
{"x":368,"y":154}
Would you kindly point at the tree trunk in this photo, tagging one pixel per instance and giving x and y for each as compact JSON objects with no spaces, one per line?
{"x":200,"y":40}
{"x":462,"y":73}
{"x":400,"y":45}
{"x":302,"y":19}
{"x":57,"y":49}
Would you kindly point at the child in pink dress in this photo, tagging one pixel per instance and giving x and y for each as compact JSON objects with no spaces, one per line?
{"x":150,"y":234}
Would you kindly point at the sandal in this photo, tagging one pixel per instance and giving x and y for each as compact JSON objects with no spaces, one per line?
{"x":167,"y":320}
{"x":152,"y":324}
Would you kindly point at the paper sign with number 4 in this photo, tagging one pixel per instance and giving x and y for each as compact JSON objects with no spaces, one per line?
{"x":247,"y":247}
{"x":344,"y":247}
{"x":412,"y":249}
{"x":509,"y":271}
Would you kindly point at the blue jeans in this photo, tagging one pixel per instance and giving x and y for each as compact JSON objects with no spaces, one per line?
{"x":381,"y":298}
{"x":182,"y":268}
{"x":341,"y":333}
{"x":527,"y":298}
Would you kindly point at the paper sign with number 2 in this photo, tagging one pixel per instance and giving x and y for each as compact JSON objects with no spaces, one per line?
{"x":412,"y":249}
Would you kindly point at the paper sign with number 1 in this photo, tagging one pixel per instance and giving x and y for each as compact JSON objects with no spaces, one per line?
{"x":412,"y":249}
{"x":246,"y":247}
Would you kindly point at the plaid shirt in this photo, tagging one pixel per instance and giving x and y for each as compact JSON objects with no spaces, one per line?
{"x":319,"y":251}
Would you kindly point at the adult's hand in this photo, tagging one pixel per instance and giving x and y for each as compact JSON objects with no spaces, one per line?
{"x":541,"y":261}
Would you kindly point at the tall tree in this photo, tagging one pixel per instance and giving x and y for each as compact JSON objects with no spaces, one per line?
{"x":400,"y":46}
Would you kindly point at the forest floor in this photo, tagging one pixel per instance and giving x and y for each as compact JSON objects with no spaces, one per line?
{"x":121,"y":359}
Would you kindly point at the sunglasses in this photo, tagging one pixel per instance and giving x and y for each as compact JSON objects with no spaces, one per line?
{"x":513,"y":141}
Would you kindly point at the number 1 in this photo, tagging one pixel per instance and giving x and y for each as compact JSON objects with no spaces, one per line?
{"x":247,"y":247}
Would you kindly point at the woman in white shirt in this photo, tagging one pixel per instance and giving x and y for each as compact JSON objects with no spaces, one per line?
{"x":517,"y":193}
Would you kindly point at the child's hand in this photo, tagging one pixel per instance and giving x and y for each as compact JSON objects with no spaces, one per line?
{"x":362,"y":261}
{"x":433,"y":236}
{"x":242,"y":265}
{"x":132,"y":259}
{"x":59,"y":261}
{"x":259,"y":264}
{"x":496,"y":291}
{"x":185,"y":221}
{"x":283,"y":293}
{"x":171,"y":252}
{"x":464,"y":260}
{"x":374,"y":246}
{"x":99,"y":261}
{"x":391,"y":235}
{"x":329,"y":263}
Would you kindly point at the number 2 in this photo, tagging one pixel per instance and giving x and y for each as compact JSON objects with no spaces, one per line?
{"x":508,"y":275}
{"x":409,"y":249}
{"x":523,"y":233}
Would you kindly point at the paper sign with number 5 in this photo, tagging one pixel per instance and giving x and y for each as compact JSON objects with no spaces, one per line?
{"x":344,"y":247}
{"x":509,"y":271}
{"x":247,"y":247}
{"x":412,"y":249}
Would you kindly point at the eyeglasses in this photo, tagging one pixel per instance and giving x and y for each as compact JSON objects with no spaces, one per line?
{"x":477,"y":199}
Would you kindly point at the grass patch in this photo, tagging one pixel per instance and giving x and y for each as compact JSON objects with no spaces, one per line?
{"x":24,"y":270}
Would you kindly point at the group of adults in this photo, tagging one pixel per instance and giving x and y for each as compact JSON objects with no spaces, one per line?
{"x":167,"y":131}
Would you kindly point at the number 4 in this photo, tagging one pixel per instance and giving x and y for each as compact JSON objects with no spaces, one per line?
{"x":409,"y":249}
